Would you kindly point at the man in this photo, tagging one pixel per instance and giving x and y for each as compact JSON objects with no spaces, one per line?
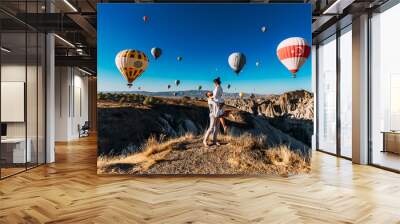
{"x":214,"y":121}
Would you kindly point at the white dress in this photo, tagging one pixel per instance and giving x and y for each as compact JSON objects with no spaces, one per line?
{"x":217,"y":98}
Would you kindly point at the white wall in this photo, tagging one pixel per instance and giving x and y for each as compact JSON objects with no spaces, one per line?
{"x":12,"y":73}
{"x":71,"y":102}
{"x":33,"y":127}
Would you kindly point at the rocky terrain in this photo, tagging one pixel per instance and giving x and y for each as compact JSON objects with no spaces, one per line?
{"x":187,"y":155}
{"x":126,"y":122}
{"x":291,"y":112}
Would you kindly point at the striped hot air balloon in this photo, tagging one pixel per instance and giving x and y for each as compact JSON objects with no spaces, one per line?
{"x":293,"y":53}
{"x":131,"y":64}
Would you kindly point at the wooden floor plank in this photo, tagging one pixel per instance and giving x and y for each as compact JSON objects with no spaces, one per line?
{"x":70,"y":191}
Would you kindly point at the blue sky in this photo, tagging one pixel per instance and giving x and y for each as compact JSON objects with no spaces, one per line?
{"x":204,"y":35}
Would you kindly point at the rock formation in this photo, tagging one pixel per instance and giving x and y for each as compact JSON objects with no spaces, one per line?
{"x":291,"y":112}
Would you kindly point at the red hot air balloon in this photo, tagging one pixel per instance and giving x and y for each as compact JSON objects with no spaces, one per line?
{"x":293,"y":52}
{"x":145,"y":18}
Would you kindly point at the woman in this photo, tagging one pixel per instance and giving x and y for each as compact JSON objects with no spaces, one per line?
{"x":217,"y":98}
{"x":214,"y":121}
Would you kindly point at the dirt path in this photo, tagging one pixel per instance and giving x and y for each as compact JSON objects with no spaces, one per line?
{"x":187,"y":155}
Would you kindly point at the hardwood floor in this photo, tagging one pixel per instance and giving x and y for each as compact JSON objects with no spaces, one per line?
{"x":69,"y":191}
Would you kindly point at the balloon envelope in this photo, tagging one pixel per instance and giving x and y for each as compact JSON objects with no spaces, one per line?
{"x":237,"y":61}
{"x":145,"y":18}
{"x":179,"y":58}
{"x":229,"y":86}
{"x":177,"y":82}
{"x":293,"y":53}
{"x":241,"y":94}
{"x":131,"y":64}
{"x":257,"y":63}
{"x":168,"y":86}
{"x":199,"y":87}
{"x":156,"y":52}
{"x":263,"y":29}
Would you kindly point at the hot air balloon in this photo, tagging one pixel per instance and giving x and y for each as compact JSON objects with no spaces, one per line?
{"x":229,"y":86}
{"x":177,"y":82}
{"x":293,"y":52}
{"x":169,"y":86}
{"x":257,"y":63}
{"x":199,"y":88}
{"x":263,"y":29}
{"x":156,"y":52}
{"x":179,"y":58}
{"x":131,"y":64}
{"x":145,"y":18}
{"x":174,"y":94}
{"x":139,"y":88}
{"x":237,"y":61}
{"x":241,"y":95}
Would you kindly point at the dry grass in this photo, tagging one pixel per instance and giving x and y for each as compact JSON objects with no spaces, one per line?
{"x":239,"y":155}
{"x":154,"y":150}
{"x":251,"y":155}
{"x":245,"y":142}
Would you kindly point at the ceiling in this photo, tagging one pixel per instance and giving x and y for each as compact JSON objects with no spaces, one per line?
{"x":75,"y":21}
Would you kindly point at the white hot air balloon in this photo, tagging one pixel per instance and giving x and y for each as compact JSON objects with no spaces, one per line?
{"x":293,"y":53}
{"x":263,"y":29}
{"x":237,"y":61}
{"x":257,"y":63}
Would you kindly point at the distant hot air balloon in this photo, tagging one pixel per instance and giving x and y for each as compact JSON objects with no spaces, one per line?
{"x":293,"y":52}
{"x":156,"y":52}
{"x":131,"y":64}
{"x":179,"y":58}
{"x":177,"y":82}
{"x":145,"y":18}
{"x":169,"y":86}
{"x":241,"y":95}
{"x":229,"y":86}
{"x":174,"y":94}
{"x":263,"y":29}
{"x":237,"y":61}
{"x":199,"y":88}
{"x":139,"y":88}
{"x":257,"y":63}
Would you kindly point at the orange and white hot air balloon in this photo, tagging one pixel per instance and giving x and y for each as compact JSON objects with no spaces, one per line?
{"x":145,"y":18}
{"x":293,"y":53}
{"x":131,"y":64}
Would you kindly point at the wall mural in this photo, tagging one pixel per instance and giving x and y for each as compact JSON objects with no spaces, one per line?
{"x":204,"y":89}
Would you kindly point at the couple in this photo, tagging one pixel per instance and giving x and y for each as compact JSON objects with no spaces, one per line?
{"x":215,"y":104}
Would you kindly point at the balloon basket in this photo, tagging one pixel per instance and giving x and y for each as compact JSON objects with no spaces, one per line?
{"x":129,"y":85}
{"x":294,"y":76}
